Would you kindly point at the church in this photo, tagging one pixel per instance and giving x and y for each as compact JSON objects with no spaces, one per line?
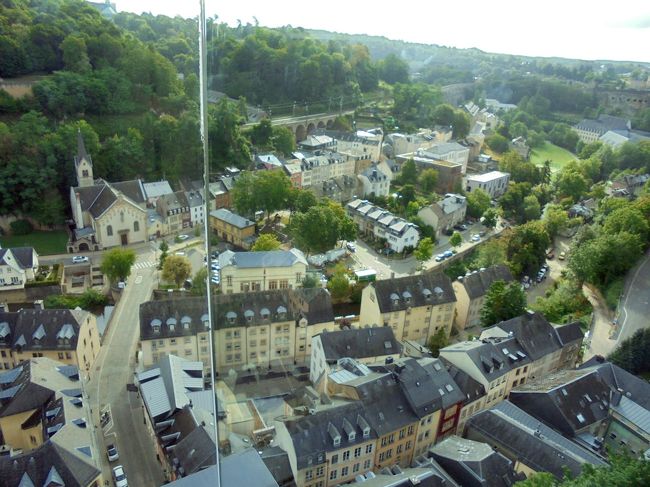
{"x":105,"y":214}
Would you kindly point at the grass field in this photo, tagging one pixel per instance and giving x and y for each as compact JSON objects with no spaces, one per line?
{"x":45,"y":243}
{"x":557,"y":155}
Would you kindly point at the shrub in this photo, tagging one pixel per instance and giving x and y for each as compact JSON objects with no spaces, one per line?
{"x":21,"y":227}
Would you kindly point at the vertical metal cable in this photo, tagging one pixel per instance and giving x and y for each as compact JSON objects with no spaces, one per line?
{"x":203,"y":65}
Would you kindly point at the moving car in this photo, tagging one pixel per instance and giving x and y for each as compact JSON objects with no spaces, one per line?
{"x":119,"y":476}
{"x":183,"y":237}
{"x":78,"y":259}
{"x":111,"y":452}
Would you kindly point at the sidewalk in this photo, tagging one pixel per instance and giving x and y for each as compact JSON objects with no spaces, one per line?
{"x":600,"y":341}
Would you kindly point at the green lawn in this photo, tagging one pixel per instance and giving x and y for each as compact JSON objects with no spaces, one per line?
{"x":45,"y":243}
{"x":557,"y":155}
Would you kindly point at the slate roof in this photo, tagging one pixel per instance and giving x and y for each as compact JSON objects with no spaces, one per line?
{"x":427,"y":289}
{"x":472,"y":463}
{"x":81,"y":150}
{"x":533,"y":332}
{"x":603,"y":124}
{"x":231,"y":218}
{"x":270,"y":258}
{"x":318,"y":302}
{"x":24,"y":256}
{"x":570,"y":332}
{"x":427,"y":385}
{"x":313,"y":435}
{"x":478,"y":283}
{"x":633,"y":387}
{"x":196,"y":451}
{"x":443,"y":148}
{"x":568,"y":400}
{"x":471,"y":389}
{"x":101,"y":196}
{"x":131,"y":189}
{"x":193,"y":198}
{"x":277,"y":461}
{"x":373,"y":173}
{"x":157,"y":188}
{"x":243,"y":468}
{"x":47,"y":462}
{"x":55,"y":329}
{"x":451,"y":203}
{"x":522,"y":437}
{"x":359,"y":343}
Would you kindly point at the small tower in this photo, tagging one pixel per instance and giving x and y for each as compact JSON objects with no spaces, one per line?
{"x":83,"y":164}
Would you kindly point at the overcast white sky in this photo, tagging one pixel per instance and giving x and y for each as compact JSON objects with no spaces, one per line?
{"x":583,"y":29}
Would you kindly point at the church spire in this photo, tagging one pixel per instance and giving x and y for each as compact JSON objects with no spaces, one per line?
{"x":83,"y":163}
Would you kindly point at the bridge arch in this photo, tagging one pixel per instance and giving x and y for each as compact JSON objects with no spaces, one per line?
{"x":310,"y":128}
{"x":321,"y":124}
{"x":301,"y":133}
{"x":330,"y":123}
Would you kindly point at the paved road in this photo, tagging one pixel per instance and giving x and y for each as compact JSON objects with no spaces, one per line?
{"x":635,"y":305}
{"x":107,"y":387}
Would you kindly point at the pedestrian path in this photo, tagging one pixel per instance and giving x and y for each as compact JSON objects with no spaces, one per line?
{"x":145,"y":265}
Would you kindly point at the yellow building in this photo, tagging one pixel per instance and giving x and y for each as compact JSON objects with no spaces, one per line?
{"x":232,"y":228}
{"x":68,"y":336}
{"x":471,"y":291}
{"x":43,"y":413}
{"x":242,"y":272}
{"x":259,"y":329}
{"x":415,"y":307}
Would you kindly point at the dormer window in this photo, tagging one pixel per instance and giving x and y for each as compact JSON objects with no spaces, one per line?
{"x":185,"y":322}
{"x":282,"y":312}
{"x":249,"y":314}
{"x":171,"y":323}
{"x":394,"y":299}
{"x":231,"y":316}
{"x":155,"y":325}
{"x":265,"y":313}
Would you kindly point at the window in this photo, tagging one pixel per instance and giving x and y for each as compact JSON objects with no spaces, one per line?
{"x":382,"y":456}
{"x":344,"y":471}
{"x":357,"y":452}
{"x":335,"y":459}
{"x":411,"y":429}
{"x":298,"y":277}
{"x":368,"y":449}
{"x":366,"y":464}
{"x":399,"y":449}
{"x":320,"y":471}
{"x":402,"y":433}
{"x":273,"y":285}
{"x":68,"y":355}
{"x":60,"y":355}
{"x":229,"y":280}
{"x":333,"y":475}
{"x":309,"y":474}
{"x":109,"y":230}
{"x":346,"y":455}
{"x":121,"y":217}
{"x":355,"y":469}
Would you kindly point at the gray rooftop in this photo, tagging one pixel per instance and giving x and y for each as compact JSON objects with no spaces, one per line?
{"x":478,"y":282}
{"x":270,"y":258}
{"x":231,"y":218}
{"x":427,"y":289}
{"x":359,"y":343}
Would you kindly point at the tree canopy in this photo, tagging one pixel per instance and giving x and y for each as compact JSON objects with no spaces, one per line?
{"x":503,"y":302}
{"x":117,"y":263}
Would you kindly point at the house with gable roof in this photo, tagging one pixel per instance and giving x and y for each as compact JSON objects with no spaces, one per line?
{"x":105,"y":214}
{"x":17,"y":266}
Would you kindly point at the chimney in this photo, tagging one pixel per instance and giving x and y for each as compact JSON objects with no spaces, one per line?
{"x":616,"y":397}
{"x":38,"y":304}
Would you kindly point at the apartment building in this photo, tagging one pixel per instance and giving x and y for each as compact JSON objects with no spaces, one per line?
{"x":261,"y":271}
{"x":444,"y":214}
{"x":328,"y":447}
{"x":471,"y":290}
{"x":255,"y":329}
{"x":68,"y":336}
{"x":321,"y":165}
{"x":447,"y":151}
{"x":415,"y":307}
{"x":379,"y":223}
{"x":232,"y":228}
{"x":175,"y":211}
{"x":590,"y":130}
{"x":365,"y":345}
{"x":494,"y":183}
{"x":44,"y":421}
{"x":373,"y":182}
{"x":450,"y":174}
{"x":195,"y":204}
{"x":17,"y":266}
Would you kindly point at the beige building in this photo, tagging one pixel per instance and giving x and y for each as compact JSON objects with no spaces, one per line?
{"x":471,"y":291}
{"x":444,"y":214}
{"x":17,"y":266}
{"x":255,"y":329}
{"x":232,"y":228}
{"x":242,"y":272}
{"x":175,"y":211}
{"x":415,"y":307}
{"x":67,"y":336}
{"x":44,"y":420}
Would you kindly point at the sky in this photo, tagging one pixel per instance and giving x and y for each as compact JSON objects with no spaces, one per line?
{"x":580,"y":29}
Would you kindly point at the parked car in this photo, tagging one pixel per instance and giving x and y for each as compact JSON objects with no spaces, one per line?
{"x":481,"y":233}
{"x":183,"y":237}
{"x":215,"y":266}
{"x":214,"y":254}
{"x":562,"y":255}
{"x":461,"y":227}
{"x":79,"y":259}
{"x":215,"y":280}
{"x":440,"y":257}
{"x":550,"y":254}
{"x":119,"y":476}
{"x":351,"y":247}
{"x":447,"y":254}
{"x":475,"y":238}
{"x":449,"y":232}
{"x":111,"y":452}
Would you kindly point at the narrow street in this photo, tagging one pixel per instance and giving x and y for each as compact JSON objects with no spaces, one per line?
{"x":113,"y":370}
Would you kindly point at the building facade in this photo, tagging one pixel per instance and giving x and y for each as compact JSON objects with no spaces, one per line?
{"x":232,"y":228}
{"x":494,"y":183}
{"x":17,"y":266}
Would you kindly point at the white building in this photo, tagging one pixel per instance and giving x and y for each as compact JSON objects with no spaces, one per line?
{"x":17,"y":266}
{"x":374,"y":182}
{"x":195,"y":203}
{"x":321,"y":166}
{"x":494,"y":183}
{"x":372,"y":220}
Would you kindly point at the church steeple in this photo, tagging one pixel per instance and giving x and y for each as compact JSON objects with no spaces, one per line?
{"x":83,"y":163}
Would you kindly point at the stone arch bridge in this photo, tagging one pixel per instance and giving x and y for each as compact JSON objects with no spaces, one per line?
{"x":304,"y":125}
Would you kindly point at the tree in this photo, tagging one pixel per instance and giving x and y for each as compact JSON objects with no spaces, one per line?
{"x":424,"y":250}
{"x":497,"y":142}
{"x":437,"y":341}
{"x":532,"y":209}
{"x":555,"y":219}
{"x":632,"y":353}
{"x":164,"y":248}
{"x":456,"y":239}
{"x":199,"y":283}
{"x":409,"y":173}
{"x":339,"y":284}
{"x":301,"y":200}
{"x":272,"y":190}
{"x":461,"y":125}
{"x":394,"y":70}
{"x":176,"y":269}
{"x":427,"y":180}
{"x":526,"y":250}
{"x":478,"y":201}
{"x":283,"y":140}
{"x":310,"y":281}
{"x":512,"y":202}
{"x":443,"y":114}
{"x":406,"y":195}
{"x":491,"y":253}
{"x":321,"y":227}
{"x":571,"y":183}
{"x":520,"y":170}
{"x":266,"y":241}
{"x":75,"y":54}
{"x":117,"y":263}
{"x":262,"y":133}
{"x":503,"y":302}
{"x":629,"y":219}
{"x":490,"y":217}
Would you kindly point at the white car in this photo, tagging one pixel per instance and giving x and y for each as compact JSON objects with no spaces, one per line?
{"x":475,"y":238}
{"x":215,"y":280}
{"x":183,"y":237}
{"x":112,"y":453}
{"x":215,"y":267}
{"x":119,"y":476}
{"x":79,"y":259}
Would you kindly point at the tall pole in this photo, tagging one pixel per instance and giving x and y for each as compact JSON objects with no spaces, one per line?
{"x":203,"y":66}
